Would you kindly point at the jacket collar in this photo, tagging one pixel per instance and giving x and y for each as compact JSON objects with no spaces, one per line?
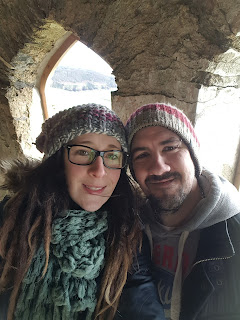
{"x":215,"y":243}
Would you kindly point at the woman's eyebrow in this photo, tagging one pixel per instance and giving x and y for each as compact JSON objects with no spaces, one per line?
{"x":110,"y":146}
{"x":113,"y":146}
{"x":83,"y":142}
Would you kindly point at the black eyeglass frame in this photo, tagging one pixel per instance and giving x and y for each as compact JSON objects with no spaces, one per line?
{"x":97,"y":154}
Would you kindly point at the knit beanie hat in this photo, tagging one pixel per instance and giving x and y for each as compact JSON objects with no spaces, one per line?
{"x":171,"y":118}
{"x":70,"y":123}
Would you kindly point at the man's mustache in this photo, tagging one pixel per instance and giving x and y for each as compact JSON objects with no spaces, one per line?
{"x":167,"y":175}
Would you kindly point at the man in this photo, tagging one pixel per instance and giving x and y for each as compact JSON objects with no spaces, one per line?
{"x":191,"y":217}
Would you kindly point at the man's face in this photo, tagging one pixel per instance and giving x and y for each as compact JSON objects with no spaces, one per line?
{"x":163,"y":167}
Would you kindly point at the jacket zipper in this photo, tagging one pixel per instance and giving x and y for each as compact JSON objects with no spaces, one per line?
{"x":210,"y":259}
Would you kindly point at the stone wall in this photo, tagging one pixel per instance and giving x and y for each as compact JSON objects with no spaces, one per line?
{"x":166,"y":50}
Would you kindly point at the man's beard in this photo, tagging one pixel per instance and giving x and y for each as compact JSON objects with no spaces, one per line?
{"x":167,"y":203}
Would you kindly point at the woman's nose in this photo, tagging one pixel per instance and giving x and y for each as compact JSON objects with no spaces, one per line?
{"x":97,"y":168}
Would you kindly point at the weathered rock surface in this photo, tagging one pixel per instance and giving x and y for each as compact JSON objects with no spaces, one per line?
{"x":166,"y":50}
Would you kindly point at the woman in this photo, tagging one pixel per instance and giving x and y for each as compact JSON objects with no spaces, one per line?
{"x":69,"y":231}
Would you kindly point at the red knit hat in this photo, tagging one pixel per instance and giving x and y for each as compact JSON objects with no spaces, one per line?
{"x":158,"y":114}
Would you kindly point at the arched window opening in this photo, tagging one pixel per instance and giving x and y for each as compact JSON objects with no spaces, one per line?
{"x":52,"y":63}
{"x":80,"y":76}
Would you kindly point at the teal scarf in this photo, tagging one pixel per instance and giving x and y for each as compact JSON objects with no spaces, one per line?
{"x":68,"y":290}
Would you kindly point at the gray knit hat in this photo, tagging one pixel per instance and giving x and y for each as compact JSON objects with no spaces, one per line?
{"x":158,"y":114}
{"x":70,"y":123}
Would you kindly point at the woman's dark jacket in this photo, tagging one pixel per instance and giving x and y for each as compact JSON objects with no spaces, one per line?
{"x":140,"y":300}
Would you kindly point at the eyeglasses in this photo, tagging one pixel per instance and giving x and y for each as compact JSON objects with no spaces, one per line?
{"x":83,"y":156}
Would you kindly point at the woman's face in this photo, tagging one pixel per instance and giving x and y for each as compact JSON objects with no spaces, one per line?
{"x":91,"y":186}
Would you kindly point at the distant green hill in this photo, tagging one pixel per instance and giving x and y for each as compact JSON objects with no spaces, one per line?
{"x":81,"y":79}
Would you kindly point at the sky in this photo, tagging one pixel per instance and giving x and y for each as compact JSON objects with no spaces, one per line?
{"x":81,"y":56}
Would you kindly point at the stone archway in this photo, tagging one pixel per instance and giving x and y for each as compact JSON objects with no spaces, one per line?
{"x":159,"y":51}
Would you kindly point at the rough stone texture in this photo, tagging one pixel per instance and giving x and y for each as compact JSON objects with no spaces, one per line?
{"x":124,"y":106}
{"x":24,"y":76}
{"x":166,"y":50}
{"x":8,"y":137}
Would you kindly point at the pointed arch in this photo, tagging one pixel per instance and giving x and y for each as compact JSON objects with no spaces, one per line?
{"x":52,"y":63}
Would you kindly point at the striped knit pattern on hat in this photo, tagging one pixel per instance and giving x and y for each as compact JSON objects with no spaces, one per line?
{"x":158,"y":114}
{"x":70,"y":123}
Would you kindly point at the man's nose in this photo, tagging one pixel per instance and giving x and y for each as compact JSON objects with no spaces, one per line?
{"x":97,"y":168}
{"x":158,"y":165}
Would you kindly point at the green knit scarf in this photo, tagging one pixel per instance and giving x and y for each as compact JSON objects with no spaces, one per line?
{"x":68,"y":290}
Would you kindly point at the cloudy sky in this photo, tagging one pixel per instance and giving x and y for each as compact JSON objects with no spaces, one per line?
{"x":83,"y":57}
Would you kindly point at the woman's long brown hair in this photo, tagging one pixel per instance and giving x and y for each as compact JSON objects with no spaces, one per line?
{"x":39,"y":194}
